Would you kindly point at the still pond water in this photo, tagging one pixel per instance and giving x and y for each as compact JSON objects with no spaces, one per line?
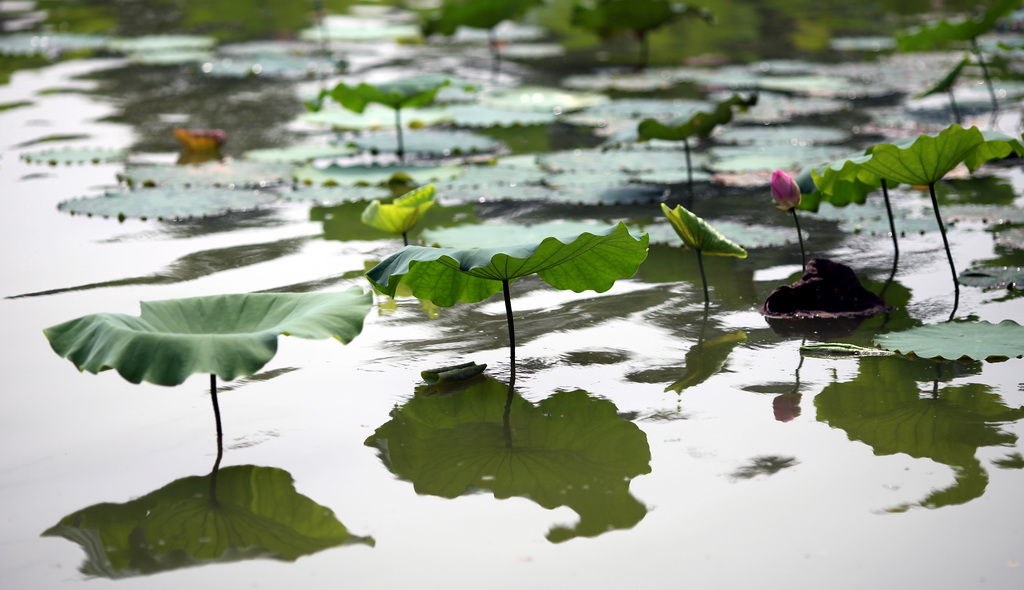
{"x":661,"y":446}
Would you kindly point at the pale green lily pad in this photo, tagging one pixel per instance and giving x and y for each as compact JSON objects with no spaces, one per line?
{"x":872,"y":218}
{"x":169,"y":203}
{"x":633,"y":109}
{"x":475,"y":115}
{"x":229,"y":173}
{"x":506,"y":31}
{"x":357,"y":29}
{"x":977,"y":340}
{"x":298,"y":154}
{"x":428,"y":141}
{"x":49,"y":43}
{"x":171,"y":57}
{"x":993,"y":277}
{"x":527,"y":51}
{"x":327,"y":196}
{"x":775,"y":135}
{"x":627,"y":161}
{"x":774,"y":108}
{"x":284,"y":67}
{"x":748,"y":236}
{"x":992,"y":214}
{"x":815,"y":85}
{"x":224,"y":335}
{"x":642,"y":81}
{"x":733,"y":160}
{"x":74,"y":155}
{"x":491,"y":235}
{"x":508,"y":171}
{"x":540,"y":99}
{"x":375,"y":116}
{"x":335,"y":175}
{"x":868,"y":44}
{"x":161,"y":43}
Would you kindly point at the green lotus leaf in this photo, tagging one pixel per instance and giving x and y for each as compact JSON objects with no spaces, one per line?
{"x":700,"y":124}
{"x":256,"y":514}
{"x":647,"y":80}
{"x":774,"y":108}
{"x":993,"y":277}
{"x":375,"y":117}
{"x":402,"y":214}
{"x":169,"y":203}
{"x":747,"y":236}
{"x":996,"y":146}
{"x":473,"y":13}
{"x":699,"y":235}
{"x":872,"y":218}
{"x":36,"y":42}
{"x":947,"y":82}
{"x":427,"y":141}
{"x":161,"y":43}
{"x":977,"y":340}
{"x":840,"y":183}
{"x":328,"y":196}
{"x":444,"y":276}
{"x":540,"y":99}
{"x":71,"y":155}
{"x":298,"y":154}
{"x":358,"y":29}
{"x":608,"y":18}
{"x":742,"y":159}
{"x":990,"y":214}
{"x":945,"y":32}
{"x":475,"y":115}
{"x":927,"y":159}
{"x":631,"y":109}
{"x":224,"y":335}
{"x":335,"y":175}
{"x":172,"y":57}
{"x":227,"y":173}
{"x":592,"y":162}
{"x":774,"y":135}
{"x":411,"y":92}
{"x":272,"y":65}
{"x":570,"y":450}
{"x":452,"y":374}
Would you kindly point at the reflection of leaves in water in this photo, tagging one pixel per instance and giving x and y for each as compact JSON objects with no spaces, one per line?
{"x":258,"y":377}
{"x":257,"y":513}
{"x":568,"y":450}
{"x":706,"y":359}
{"x":198,"y":264}
{"x":1011,"y":461}
{"x":884,"y":408}
{"x":764,"y":465}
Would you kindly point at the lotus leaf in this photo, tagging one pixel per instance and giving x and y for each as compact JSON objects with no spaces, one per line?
{"x":472,"y":13}
{"x":401,"y":215}
{"x":428,"y":141}
{"x":161,"y":43}
{"x":229,"y":173}
{"x":475,"y":115}
{"x":537,"y":99}
{"x":358,"y":29}
{"x":411,"y":92}
{"x":747,"y":236}
{"x":928,"y":158}
{"x":594,"y":161}
{"x":872,"y":44}
{"x":335,"y":175}
{"x":947,"y":82}
{"x":773,"y":135}
{"x":375,"y":117}
{"x":70,"y":155}
{"x":49,"y":43}
{"x":298,"y":154}
{"x":942,"y":33}
{"x":570,"y":450}
{"x":444,"y":276}
{"x":278,"y":67}
{"x":699,"y":235}
{"x":225,"y":335}
{"x":700,"y":124}
{"x":640,"y":81}
{"x":1006,"y":277}
{"x":977,"y":340}
{"x":169,"y":203}
{"x":327,"y":196}
{"x":990,"y":214}
{"x":256,"y":513}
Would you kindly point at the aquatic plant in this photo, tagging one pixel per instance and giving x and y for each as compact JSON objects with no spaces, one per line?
{"x":453,"y":14}
{"x":399,"y":216}
{"x":704,"y":239}
{"x":411,"y":92}
{"x":444,"y":276}
{"x":786,"y":194}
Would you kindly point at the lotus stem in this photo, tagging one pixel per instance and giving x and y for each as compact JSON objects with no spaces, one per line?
{"x":492,"y":41}
{"x":892,"y":225}
{"x":988,"y":79}
{"x":800,"y":236}
{"x":703,"y":278}
{"x":220,"y":439}
{"x":645,"y":51}
{"x":949,"y":254}
{"x":511,"y":326}
{"x":398,"y":129}
{"x":506,"y":416}
{"x":954,"y":106}
{"x":405,"y":238}
{"x":689,"y":171}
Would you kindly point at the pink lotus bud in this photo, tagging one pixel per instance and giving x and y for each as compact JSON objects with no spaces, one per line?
{"x":785,"y":190}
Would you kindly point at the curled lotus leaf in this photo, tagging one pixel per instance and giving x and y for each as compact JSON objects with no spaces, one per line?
{"x":72,"y":155}
{"x":224,"y":335}
{"x":444,"y":276}
{"x":169,"y":203}
{"x":400,"y":216}
{"x":699,"y":235}
{"x":747,"y":236}
{"x":976,"y":340}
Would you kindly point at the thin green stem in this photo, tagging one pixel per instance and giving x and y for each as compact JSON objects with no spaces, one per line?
{"x":703,"y":277}
{"x":892,"y":224}
{"x":800,"y":236}
{"x":949,"y":254}
{"x":405,"y":238}
{"x":511,"y":325}
{"x":954,"y":106}
{"x":398,"y":129}
{"x":988,"y":79}
{"x":689,"y":170}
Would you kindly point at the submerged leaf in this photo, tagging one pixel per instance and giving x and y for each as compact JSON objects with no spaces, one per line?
{"x":978,"y":340}
{"x":224,"y":335}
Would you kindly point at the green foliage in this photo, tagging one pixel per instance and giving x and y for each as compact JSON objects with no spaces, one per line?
{"x":570,"y":450}
{"x":608,"y":18}
{"x":414,"y":91}
{"x":224,"y":335}
{"x":948,"y":81}
{"x":977,"y":340}
{"x":399,"y":216}
{"x":444,"y":276}
{"x":699,"y":235}
{"x":479,"y":14}
{"x":256,"y":513}
{"x":700,"y":124}
{"x":945,"y":32}
{"x":706,"y":359}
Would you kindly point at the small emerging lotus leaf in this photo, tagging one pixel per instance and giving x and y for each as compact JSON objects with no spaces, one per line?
{"x":71,"y":155}
{"x":256,"y":513}
{"x":399,"y":216}
{"x":977,"y":340}
{"x":452,"y":374}
{"x":225,"y":335}
{"x":169,"y":203}
{"x":444,"y":276}
{"x":699,"y":235}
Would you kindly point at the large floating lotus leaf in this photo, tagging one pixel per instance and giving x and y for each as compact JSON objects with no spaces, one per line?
{"x":375,"y":117}
{"x":629,"y":161}
{"x":993,"y":278}
{"x":507,"y":171}
{"x":428,"y":141}
{"x":283,"y":67}
{"x":945,"y":32}
{"x":453,"y":14}
{"x":225,"y":335}
{"x":326,"y":196}
{"x":298,"y":154}
{"x":539,"y":99}
{"x":992,"y":214}
{"x":638,"y":108}
{"x":475,"y":115}
{"x":645,"y":80}
{"x":335,"y":175}
{"x":161,"y":43}
{"x":747,"y":236}
{"x":403,"y":93}
{"x":257,"y":514}
{"x":815,"y":85}
{"x":772,"y":135}
{"x":444,"y":276}
{"x":628,"y":194}
{"x":71,"y":155}
{"x":739,"y":159}
{"x":505,"y":32}
{"x":978,"y":340}
{"x":358,"y":29}
{"x":699,"y":235}
{"x":871,"y":44}
{"x":169,"y":203}
{"x":227,"y":173}
{"x":774,"y":108}
{"x":49,"y":43}
{"x":569,"y":450}
{"x":399,"y":216}
{"x":872,"y":218}
{"x":489,"y":235}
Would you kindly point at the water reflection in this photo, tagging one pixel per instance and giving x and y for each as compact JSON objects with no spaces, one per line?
{"x":568,"y":450}
{"x":232,"y":514}
{"x":886,"y":407}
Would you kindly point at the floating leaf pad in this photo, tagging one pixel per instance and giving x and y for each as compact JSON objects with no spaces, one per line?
{"x":475,"y":115}
{"x":45,"y":43}
{"x":349,"y":28}
{"x":71,"y":155}
{"x":228,"y":173}
{"x":977,"y":340}
{"x":161,"y":44}
{"x":298,"y":154}
{"x":541,"y":100}
{"x":282,"y":67}
{"x":326,"y":196}
{"x":375,"y":116}
{"x":169,"y":203}
{"x":643,"y":81}
{"x":993,"y":278}
{"x":335,"y":175}
{"x":428,"y":141}
{"x":774,"y":135}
